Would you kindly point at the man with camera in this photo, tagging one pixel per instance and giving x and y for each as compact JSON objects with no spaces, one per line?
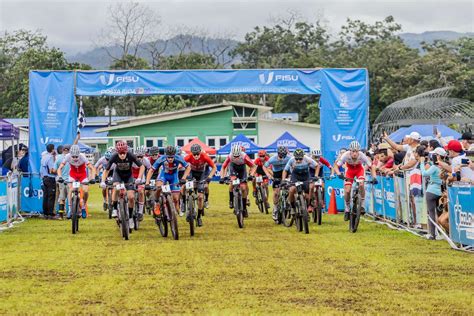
{"x":461,"y":168}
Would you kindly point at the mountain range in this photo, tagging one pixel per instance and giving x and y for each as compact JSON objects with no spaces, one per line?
{"x":99,"y":59}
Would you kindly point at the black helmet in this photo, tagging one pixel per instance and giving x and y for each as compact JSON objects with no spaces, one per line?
{"x":154,"y":150}
{"x":298,"y":153}
{"x":282,"y":151}
{"x":170,"y":150}
{"x":196,"y":149}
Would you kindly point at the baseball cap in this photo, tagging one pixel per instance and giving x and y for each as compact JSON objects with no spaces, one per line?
{"x":414,"y":135}
{"x":383,"y":146}
{"x":454,"y":145}
{"x":466,"y":136}
{"x":439,"y":151}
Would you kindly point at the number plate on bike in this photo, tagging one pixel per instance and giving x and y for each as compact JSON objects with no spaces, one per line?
{"x":259,"y":179}
{"x":166,"y":188}
{"x":152,"y":183}
{"x":236,"y":181}
{"x":319,"y":182}
{"x":189,"y":185}
{"x":298,"y":183}
{"x":120,"y":186}
{"x":76,"y":185}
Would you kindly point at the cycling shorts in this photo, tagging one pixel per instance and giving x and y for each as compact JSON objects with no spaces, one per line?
{"x":351,"y":173}
{"x":171,"y":179}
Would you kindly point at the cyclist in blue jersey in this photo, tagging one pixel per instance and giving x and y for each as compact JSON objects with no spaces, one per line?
{"x":273,"y":168}
{"x":169,"y":164}
{"x":298,"y":168}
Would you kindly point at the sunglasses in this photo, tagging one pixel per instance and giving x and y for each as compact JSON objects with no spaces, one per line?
{"x":74,"y":157}
{"x":196,"y":155}
{"x":262,"y":156}
{"x":169,"y":157}
{"x":139,"y":157}
{"x":298,"y":159}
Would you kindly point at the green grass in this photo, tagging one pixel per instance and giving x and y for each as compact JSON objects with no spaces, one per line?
{"x":261,"y":269}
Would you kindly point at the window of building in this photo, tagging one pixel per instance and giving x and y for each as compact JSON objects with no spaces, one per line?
{"x":155,"y":141}
{"x":253,"y":138}
{"x":131,"y":141}
{"x":183,"y":140}
{"x":217,"y":141}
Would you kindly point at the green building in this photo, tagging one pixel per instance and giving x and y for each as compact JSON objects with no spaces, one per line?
{"x":214,"y":124}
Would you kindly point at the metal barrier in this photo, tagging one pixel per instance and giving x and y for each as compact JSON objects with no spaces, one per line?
{"x":10,"y":203}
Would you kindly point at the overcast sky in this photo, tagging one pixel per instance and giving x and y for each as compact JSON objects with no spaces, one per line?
{"x":72,"y":25}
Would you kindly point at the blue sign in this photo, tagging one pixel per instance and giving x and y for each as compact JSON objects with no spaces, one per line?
{"x":286,"y":140}
{"x":336,"y":185}
{"x":461,"y":214}
{"x":378,"y":197}
{"x":248,"y":81}
{"x":344,"y":108}
{"x":389,"y":197}
{"x":3,"y":201}
{"x":240,"y":140}
{"x":52,"y":112}
{"x":31,"y":195}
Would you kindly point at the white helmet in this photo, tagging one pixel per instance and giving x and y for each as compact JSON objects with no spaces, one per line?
{"x":236,"y":150}
{"x":316,"y":152}
{"x":354,"y":145}
{"x":140,"y":151}
{"x":75,"y":150}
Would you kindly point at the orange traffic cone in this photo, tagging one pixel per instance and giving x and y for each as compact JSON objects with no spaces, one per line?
{"x":332,"y":204}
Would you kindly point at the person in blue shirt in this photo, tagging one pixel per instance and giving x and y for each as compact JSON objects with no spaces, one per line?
{"x":433,"y":190}
{"x":62,"y":186}
{"x":48,"y":175}
{"x":273,"y":168}
{"x":169,"y":164}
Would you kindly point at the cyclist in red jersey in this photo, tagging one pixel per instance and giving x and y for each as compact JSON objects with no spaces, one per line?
{"x":200,"y":163}
{"x":260,"y":162}
{"x":354,"y":160}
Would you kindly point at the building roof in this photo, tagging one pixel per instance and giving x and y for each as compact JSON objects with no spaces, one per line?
{"x":90,"y":120}
{"x":179,"y":114}
{"x":302,"y":124}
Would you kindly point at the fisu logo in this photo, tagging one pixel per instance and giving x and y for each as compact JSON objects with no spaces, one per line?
{"x":106,"y":82}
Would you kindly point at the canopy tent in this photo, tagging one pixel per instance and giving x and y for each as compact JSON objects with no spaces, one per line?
{"x":207,"y":149}
{"x":242,"y":140}
{"x":426,"y":132}
{"x":85,"y":148}
{"x":8,"y":131}
{"x":287,"y":140}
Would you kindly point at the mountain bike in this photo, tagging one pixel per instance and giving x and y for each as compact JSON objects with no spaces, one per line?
{"x":110,"y":189}
{"x":301,"y":216}
{"x":354,"y":213}
{"x":318,"y":200}
{"x":261,"y":199}
{"x":75,"y":206}
{"x":167,"y":213}
{"x":284,"y":208}
{"x":123,"y":215}
{"x":192,"y":187}
{"x":238,"y":202}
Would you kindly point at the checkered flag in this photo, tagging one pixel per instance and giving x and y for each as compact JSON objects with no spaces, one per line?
{"x":81,"y":118}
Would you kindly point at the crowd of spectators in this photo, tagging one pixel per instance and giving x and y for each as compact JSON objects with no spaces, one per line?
{"x":439,"y":163}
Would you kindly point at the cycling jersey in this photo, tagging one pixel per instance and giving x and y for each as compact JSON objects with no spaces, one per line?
{"x":101,"y":162}
{"x":355,"y":166}
{"x":136,"y":169}
{"x":322,"y":162}
{"x":277,"y":165}
{"x":300,"y":169}
{"x":152,"y":161}
{"x":200,"y":164}
{"x":169,"y":167}
{"x":77,"y":170}
{"x":237,"y":165}
{"x":259,"y":163}
{"x":123,"y":167}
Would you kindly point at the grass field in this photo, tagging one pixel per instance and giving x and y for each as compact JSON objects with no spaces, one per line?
{"x":261,"y":269}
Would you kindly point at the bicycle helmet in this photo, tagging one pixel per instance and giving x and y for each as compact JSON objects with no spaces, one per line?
{"x":354,"y":145}
{"x":196,"y":149}
{"x":262,"y":152}
{"x":298,"y":153}
{"x":236,"y":150}
{"x":140,"y":151}
{"x":170,"y":150}
{"x":316,"y":152}
{"x":282,"y":151}
{"x":121,"y":147}
{"x":108,"y":154}
{"x":154,"y":150}
{"x":75,"y":151}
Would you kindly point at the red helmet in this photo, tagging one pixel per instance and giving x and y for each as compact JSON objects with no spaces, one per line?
{"x":262,"y":152}
{"x":243,"y":148}
{"x":121,"y":147}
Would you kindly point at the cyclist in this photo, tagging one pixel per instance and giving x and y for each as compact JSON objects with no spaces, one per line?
{"x":354,"y":160}
{"x":298,"y":167}
{"x":63,"y":187}
{"x":200,"y":163}
{"x":273,"y":168}
{"x":123,"y":161}
{"x":153,"y":155}
{"x":236,"y":164}
{"x":318,"y":172}
{"x":78,"y":165}
{"x":100,"y":165}
{"x":169,"y":164}
{"x":140,"y":154}
{"x":259,"y":162}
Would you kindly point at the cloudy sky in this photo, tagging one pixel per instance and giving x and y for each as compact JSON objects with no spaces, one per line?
{"x":73,"y":25}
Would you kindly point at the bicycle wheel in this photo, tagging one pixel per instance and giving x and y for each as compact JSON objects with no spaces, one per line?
{"x":355,"y":215}
{"x":162,"y":223}
{"x":123,"y":213}
{"x":238,"y":209}
{"x":304,"y":215}
{"x":111,"y":204}
{"x":74,"y":217}
{"x":173,"y":217}
{"x":259,"y":199}
{"x":314,"y":215}
{"x":264,"y":198}
{"x":191,"y":214}
{"x":136,"y":222}
{"x":287,"y":218}
{"x":319,"y":208}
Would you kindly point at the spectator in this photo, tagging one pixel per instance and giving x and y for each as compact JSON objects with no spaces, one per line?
{"x":461,"y":168}
{"x":48,"y":175}
{"x":409,"y":161}
{"x":24,"y":161}
{"x":433,"y":190}
{"x":385,"y":161}
{"x":63,"y":186}
{"x":467,"y":141}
